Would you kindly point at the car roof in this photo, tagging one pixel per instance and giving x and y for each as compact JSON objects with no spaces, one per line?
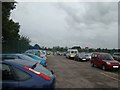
{"x":18,"y":62}
{"x":100,"y":53}
{"x":11,"y":54}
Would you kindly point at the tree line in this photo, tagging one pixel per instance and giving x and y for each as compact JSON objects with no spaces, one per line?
{"x":12,"y":41}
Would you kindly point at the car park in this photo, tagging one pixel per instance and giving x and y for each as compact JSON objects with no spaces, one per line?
{"x":22,"y":74}
{"x":104,"y":61}
{"x":42,"y":60}
{"x":71,"y":53}
{"x":116,"y":56}
{"x":82,"y":56}
{"x":40,"y":53}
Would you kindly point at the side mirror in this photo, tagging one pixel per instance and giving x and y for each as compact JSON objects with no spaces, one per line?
{"x":52,"y":71}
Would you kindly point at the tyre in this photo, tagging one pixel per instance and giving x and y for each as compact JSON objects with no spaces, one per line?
{"x":103,"y":67}
{"x":74,"y":59}
{"x":92,"y":64}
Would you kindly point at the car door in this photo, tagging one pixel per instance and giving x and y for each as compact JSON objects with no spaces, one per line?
{"x":8,"y":78}
{"x":94,"y":59}
{"x":99,"y":61}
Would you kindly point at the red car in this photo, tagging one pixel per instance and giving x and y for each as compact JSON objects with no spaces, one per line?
{"x":104,"y":61}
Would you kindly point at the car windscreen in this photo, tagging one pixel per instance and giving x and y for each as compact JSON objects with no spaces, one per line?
{"x":117,"y":54}
{"x":73,"y":51}
{"x":43,"y":70}
{"x":107,"y":57}
{"x":82,"y":55}
{"x":87,"y":54}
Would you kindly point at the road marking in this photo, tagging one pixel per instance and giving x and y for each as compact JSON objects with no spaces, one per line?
{"x":111,"y":73}
{"x":111,"y":77}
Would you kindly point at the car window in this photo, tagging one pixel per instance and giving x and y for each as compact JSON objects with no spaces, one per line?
{"x":7,"y":74}
{"x":30,"y":55}
{"x":21,"y":75}
{"x":34,"y":57}
{"x":107,"y":57}
{"x":75,"y":51}
{"x":117,"y":54}
{"x":94,"y":55}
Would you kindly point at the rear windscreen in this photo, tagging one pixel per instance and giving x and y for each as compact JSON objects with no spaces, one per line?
{"x":43,"y":70}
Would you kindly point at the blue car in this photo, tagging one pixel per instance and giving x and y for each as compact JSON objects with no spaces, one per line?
{"x":21,"y":56}
{"x":42,"y":60}
{"x":22,"y":74}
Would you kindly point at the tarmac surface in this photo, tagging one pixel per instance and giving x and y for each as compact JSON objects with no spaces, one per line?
{"x":75,"y":74}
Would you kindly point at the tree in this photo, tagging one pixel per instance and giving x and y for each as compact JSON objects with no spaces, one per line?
{"x":11,"y":40}
{"x":10,"y":29}
{"x":77,"y":47}
{"x":23,"y":44}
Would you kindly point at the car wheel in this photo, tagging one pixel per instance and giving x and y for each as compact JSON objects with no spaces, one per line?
{"x":74,"y":59}
{"x":92,"y":64}
{"x":103,"y":67}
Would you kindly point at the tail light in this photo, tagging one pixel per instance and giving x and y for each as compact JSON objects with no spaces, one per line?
{"x":45,"y":62}
{"x":37,"y":73}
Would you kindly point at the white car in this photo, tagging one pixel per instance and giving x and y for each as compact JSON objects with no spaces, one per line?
{"x":71,"y":53}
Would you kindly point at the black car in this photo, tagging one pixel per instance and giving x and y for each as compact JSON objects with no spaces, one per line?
{"x":83,"y":57}
{"x":116,"y":56}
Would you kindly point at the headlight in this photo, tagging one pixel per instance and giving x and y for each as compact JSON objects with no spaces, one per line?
{"x":108,"y":62}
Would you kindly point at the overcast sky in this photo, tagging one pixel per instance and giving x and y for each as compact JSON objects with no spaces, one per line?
{"x":87,"y":24}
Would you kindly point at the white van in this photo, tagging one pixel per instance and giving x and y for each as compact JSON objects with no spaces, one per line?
{"x":71,"y":53}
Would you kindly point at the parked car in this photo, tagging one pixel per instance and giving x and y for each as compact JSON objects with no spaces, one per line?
{"x":22,"y":74}
{"x":83,"y":56}
{"x":20,"y":56}
{"x":42,"y":60}
{"x":104,"y":61}
{"x":48,"y":52}
{"x":40,"y":53}
{"x":116,"y":56}
{"x":71,"y":53}
{"x":59,"y":53}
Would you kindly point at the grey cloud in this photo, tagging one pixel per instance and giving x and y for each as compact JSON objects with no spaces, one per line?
{"x":69,"y":24}
{"x":94,"y":13}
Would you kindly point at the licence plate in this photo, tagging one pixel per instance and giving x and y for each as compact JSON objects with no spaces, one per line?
{"x":83,"y":59}
{"x":115,"y":66}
